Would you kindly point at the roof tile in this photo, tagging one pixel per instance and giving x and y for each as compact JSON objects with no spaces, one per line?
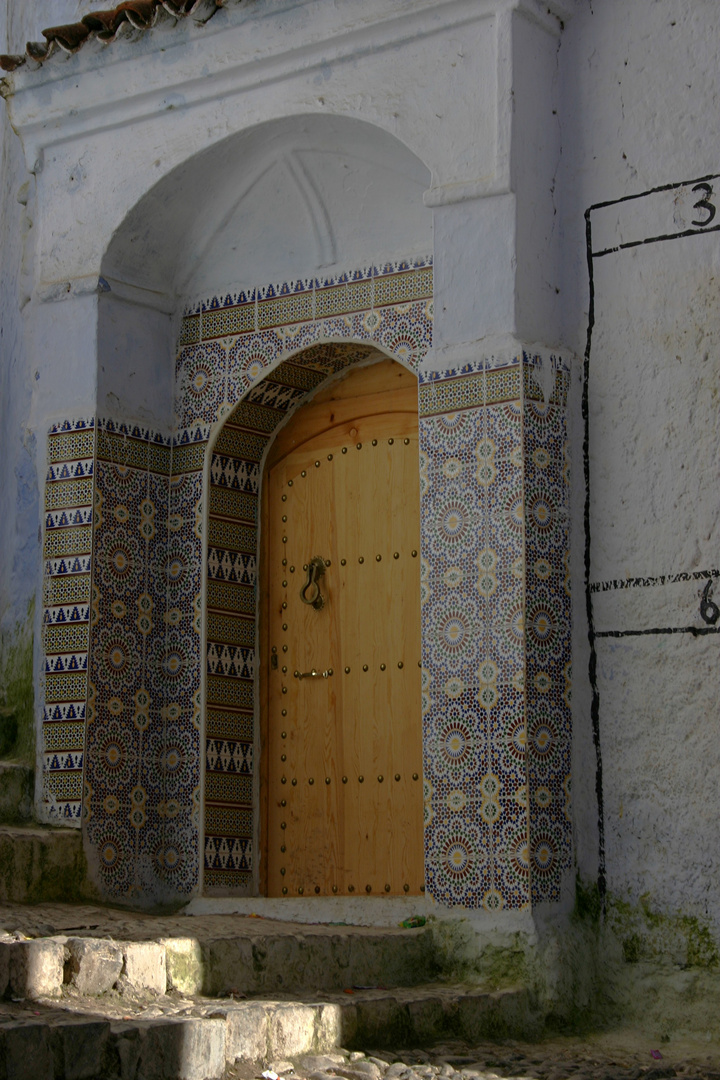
{"x":68,"y":37}
{"x":140,"y":14}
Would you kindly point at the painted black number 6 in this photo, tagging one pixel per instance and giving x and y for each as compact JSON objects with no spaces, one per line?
{"x":704,"y":204}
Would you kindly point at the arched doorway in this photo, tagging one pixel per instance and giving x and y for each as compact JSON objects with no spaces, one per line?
{"x":234,"y":845}
{"x":340,"y":630}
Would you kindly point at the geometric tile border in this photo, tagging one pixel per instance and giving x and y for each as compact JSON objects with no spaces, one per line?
{"x":548,"y":625}
{"x":66,"y":613}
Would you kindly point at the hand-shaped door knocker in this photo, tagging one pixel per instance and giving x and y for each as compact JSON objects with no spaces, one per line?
{"x":310,"y":592}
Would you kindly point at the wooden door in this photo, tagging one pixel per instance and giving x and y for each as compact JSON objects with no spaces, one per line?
{"x":343,"y":759}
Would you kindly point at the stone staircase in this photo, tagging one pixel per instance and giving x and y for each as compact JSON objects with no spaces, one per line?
{"x":194,"y":997}
{"x":37,"y":862}
{"x":88,"y":993}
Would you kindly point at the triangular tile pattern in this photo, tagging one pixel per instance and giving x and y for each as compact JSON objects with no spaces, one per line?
{"x":143,"y":755}
{"x":66,"y":613}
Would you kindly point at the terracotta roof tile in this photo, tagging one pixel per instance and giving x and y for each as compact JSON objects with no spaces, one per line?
{"x":139,"y":14}
{"x":68,"y":37}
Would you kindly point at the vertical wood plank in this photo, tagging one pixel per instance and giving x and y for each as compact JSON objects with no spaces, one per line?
{"x":341,"y":826}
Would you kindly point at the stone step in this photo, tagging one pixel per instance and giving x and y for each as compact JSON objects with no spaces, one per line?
{"x":16,"y":791}
{"x":197,"y":1040}
{"x":270,"y":962}
{"x":234,"y":962}
{"x":39,"y":862}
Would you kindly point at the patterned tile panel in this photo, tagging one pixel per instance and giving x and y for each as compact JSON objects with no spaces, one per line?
{"x":201,"y":376}
{"x":143,"y":753}
{"x":496,"y":635}
{"x":66,"y":614}
{"x":475,"y":769}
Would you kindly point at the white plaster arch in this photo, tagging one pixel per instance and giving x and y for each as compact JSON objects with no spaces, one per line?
{"x":298,"y":197}
{"x":112,"y":130}
{"x":285,"y":199}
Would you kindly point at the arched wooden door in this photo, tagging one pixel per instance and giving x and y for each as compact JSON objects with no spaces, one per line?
{"x":341,"y":689}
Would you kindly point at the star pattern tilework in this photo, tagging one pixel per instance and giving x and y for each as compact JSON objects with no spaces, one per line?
{"x":142,"y":755}
{"x":472,"y":547}
{"x":494,"y":837}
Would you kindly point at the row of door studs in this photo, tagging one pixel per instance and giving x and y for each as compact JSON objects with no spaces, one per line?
{"x":331,"y":671}
{"x":343,"y":562}
{"x":358,"y":446}
{"x":351,"y":888}
{"x":328,"y":780}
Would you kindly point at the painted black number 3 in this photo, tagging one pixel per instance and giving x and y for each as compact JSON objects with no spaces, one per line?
{"x":704,"y":204}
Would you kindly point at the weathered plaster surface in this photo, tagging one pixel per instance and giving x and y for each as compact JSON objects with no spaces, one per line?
{"x":638,"y":110}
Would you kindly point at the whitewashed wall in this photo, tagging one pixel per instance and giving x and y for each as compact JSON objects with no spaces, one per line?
{"x":640,"y":85}
{"x":19,"y":515}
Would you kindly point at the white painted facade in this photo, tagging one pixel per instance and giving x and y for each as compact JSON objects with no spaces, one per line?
{"x":285,"y":139}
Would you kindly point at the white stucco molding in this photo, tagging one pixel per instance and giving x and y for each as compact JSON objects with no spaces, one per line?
{"x":103,"y":126}
{"x":447,"y":194}
{"x":109,"y":87}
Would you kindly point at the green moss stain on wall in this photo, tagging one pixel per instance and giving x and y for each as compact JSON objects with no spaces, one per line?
{"x":646,"y":934}
{"x":649,"y":935}
{"x":43,"y":865}
{"x":17,"y":698}
{"x":702,"y":947}
{"x":463,"y":956}
{"x":588,"y":902}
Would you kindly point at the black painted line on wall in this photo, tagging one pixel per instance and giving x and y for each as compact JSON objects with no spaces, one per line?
{"x":652,"y":191}
{"x":592,"y":663}
{"x":649,"y":582}
{"x":592,"y":634}
{"x":654,"y":240}
{"x":695,"y":631}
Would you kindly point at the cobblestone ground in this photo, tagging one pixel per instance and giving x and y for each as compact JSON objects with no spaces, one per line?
{"x":617,"y":1056}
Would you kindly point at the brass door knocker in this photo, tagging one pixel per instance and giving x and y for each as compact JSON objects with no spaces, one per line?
{"x":310,"y":592}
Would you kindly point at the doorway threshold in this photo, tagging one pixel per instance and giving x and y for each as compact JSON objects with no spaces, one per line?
{"x":352,"y":911}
